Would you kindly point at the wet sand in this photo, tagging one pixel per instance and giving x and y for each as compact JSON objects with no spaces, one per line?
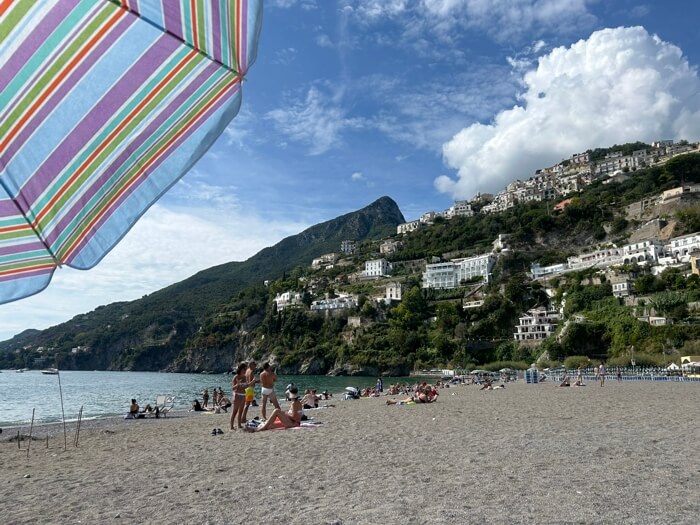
{"x":624,"y":453}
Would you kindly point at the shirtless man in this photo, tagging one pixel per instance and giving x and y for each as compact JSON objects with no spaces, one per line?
{"x":267,"y":380}
{"x":250,"y":390}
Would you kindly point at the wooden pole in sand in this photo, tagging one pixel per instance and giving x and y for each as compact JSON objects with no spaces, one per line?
{"x":63,"y":413}
{"x":31,"y":428}
{"x":77,"y":430}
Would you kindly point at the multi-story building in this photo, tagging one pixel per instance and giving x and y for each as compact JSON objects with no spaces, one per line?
{"x":325,"y":261}
{"x":598,"y":259}
{"x":440,"y":275}
{"x":377,"y":268}
{"x":621,"y":286}
{"x":536,"y":325}
{"x":342,"y":302}
{"x":459,"y":209}
{"x":538,"y":272}
{"x":681,"y":247}
{"x":348,"y":247}
{"x":645,"y":252}
{"x":288,"y":299}
{"x":429,"y":217}
{"x":408,"y":227}
{"x":393,"y":292}
{"x":477,"y":266}
{"x":580,"y":158}
{"x":454,"y":273}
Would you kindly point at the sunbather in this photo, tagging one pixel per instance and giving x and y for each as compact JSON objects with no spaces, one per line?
{"x":289,"y":419}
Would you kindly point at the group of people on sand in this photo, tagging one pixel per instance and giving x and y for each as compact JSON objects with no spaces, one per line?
{"x":135,"y":411}
{"x":243,"y":387}
{"x":219,"y":402}
{"x":425,"y":393}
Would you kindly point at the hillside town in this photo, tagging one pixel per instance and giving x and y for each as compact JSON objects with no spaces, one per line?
{"x":649,"y":246}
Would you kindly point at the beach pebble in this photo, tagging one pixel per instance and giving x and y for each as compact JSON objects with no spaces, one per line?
{"x":117,"y":515}
{"x":27,"y":475}
{"x":196,"y":490}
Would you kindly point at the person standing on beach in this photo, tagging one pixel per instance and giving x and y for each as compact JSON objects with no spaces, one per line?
{"x":601,"y":373}
{"x":238,"y":386}
{"x":267,"y":381}
{"x":250,"y":389}
{"x":205,"y":398}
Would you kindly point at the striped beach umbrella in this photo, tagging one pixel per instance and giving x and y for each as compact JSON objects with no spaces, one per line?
{"x":104,"y":105}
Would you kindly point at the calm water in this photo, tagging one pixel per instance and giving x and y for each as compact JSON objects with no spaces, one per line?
{"x":103,"y":394}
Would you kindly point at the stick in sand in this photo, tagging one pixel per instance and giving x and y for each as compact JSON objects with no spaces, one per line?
{"x":77,"y":430}
{"x":63,"y":413}
{"x":31,"y":428}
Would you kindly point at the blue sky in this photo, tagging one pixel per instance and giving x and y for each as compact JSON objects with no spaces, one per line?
{"x":422,"y":100}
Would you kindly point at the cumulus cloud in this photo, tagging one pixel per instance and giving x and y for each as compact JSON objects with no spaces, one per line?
{"x":619,"y":85}
{"x":357,"y":176}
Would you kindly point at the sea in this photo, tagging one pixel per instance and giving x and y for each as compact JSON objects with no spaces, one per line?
{"x":106,"y":394}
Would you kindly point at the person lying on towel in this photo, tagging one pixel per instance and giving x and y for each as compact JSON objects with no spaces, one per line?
{"x":280,"y":419}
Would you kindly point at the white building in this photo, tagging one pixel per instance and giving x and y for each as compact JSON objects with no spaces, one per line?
{"x":597,"y":259}
{"x":477,"y":266}
{"x":325,"y":261}
{"x":343,"y":302}
{"x":621,"y":286}
{"x":393,"y":292}
{"x":452,"y":274}
{"x":377,"y":268}
{"x":536,"y":325}
{"x":539,"y":272}
{"x":429,"y":217}
{"x":408,"y":227}
{"x":348,"y":247}
{"x":681,"y":247}
{"x":646,"y":252}
{"x":459,"y":209}
{"x":440,"y":275}
{"x":288,"y":299}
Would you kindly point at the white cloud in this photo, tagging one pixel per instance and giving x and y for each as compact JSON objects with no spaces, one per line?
{"x":619,"y":85}
{"x":503,"y":20}
{"x":306,"y":5}
{"x":323,"y":40}
{"x":357,"y":176}
{"x":427,"y":114}
{"x":285,"y":56}
{"x":317,"y":121}
{"x":167,"y":245}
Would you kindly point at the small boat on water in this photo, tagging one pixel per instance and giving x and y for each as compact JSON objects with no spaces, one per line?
{"x":50,"y":371}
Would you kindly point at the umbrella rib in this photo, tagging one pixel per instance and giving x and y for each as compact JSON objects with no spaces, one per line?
{"x":180,"y":39}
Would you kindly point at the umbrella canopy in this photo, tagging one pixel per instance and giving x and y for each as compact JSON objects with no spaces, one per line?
{"x":104,"y":105}
{"x":673,"y":366}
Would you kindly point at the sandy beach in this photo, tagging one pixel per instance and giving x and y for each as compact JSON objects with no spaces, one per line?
{"x":527,"y":454}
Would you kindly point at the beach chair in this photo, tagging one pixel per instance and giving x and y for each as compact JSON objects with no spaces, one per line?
{"x":164,"y":404}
